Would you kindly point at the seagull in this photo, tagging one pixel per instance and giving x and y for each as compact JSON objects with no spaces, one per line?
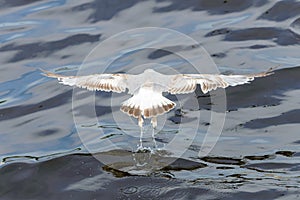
{"x":147,"y":100}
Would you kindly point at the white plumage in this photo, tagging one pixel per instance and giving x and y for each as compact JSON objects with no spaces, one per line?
{"x":146,"y":88}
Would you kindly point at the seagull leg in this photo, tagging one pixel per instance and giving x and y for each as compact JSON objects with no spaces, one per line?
{"x":154,"y":125}
{"x":154,"y":122}
{"x":153,"y":138}
{"x":140,"y":122}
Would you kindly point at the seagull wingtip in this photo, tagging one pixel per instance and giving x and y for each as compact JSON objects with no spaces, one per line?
{"x":48,"y":74}
{"x":269,"y":72}
{"x":42,"y":70}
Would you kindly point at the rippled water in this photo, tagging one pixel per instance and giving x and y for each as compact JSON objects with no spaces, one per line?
{"x":41,"y":152}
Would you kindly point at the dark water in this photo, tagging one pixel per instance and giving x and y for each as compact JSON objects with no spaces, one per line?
{"x":43,"y":156}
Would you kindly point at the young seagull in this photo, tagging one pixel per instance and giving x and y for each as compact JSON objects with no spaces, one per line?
{"x":146,"y":88}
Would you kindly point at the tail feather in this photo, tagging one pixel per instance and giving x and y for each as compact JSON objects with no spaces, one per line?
{"x":147,"y":107}
{"x":133,"y":111}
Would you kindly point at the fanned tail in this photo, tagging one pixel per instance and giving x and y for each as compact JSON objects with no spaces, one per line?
{"x":147,"y":106}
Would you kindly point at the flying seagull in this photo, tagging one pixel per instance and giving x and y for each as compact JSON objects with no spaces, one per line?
{"x":146,"y":88}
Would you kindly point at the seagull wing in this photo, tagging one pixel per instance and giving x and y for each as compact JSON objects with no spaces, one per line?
{"x":103,"y":82}
{"x":186,"y":83}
